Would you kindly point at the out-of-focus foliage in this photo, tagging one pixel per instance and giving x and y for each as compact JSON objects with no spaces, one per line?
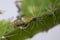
{"x":48,"y":12}
{"x":2,"y":11}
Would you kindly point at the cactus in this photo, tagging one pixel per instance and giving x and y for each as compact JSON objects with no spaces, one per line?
{"x":46,"y":12}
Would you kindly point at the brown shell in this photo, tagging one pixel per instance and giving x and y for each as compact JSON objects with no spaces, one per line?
{"x":17,"y":23}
